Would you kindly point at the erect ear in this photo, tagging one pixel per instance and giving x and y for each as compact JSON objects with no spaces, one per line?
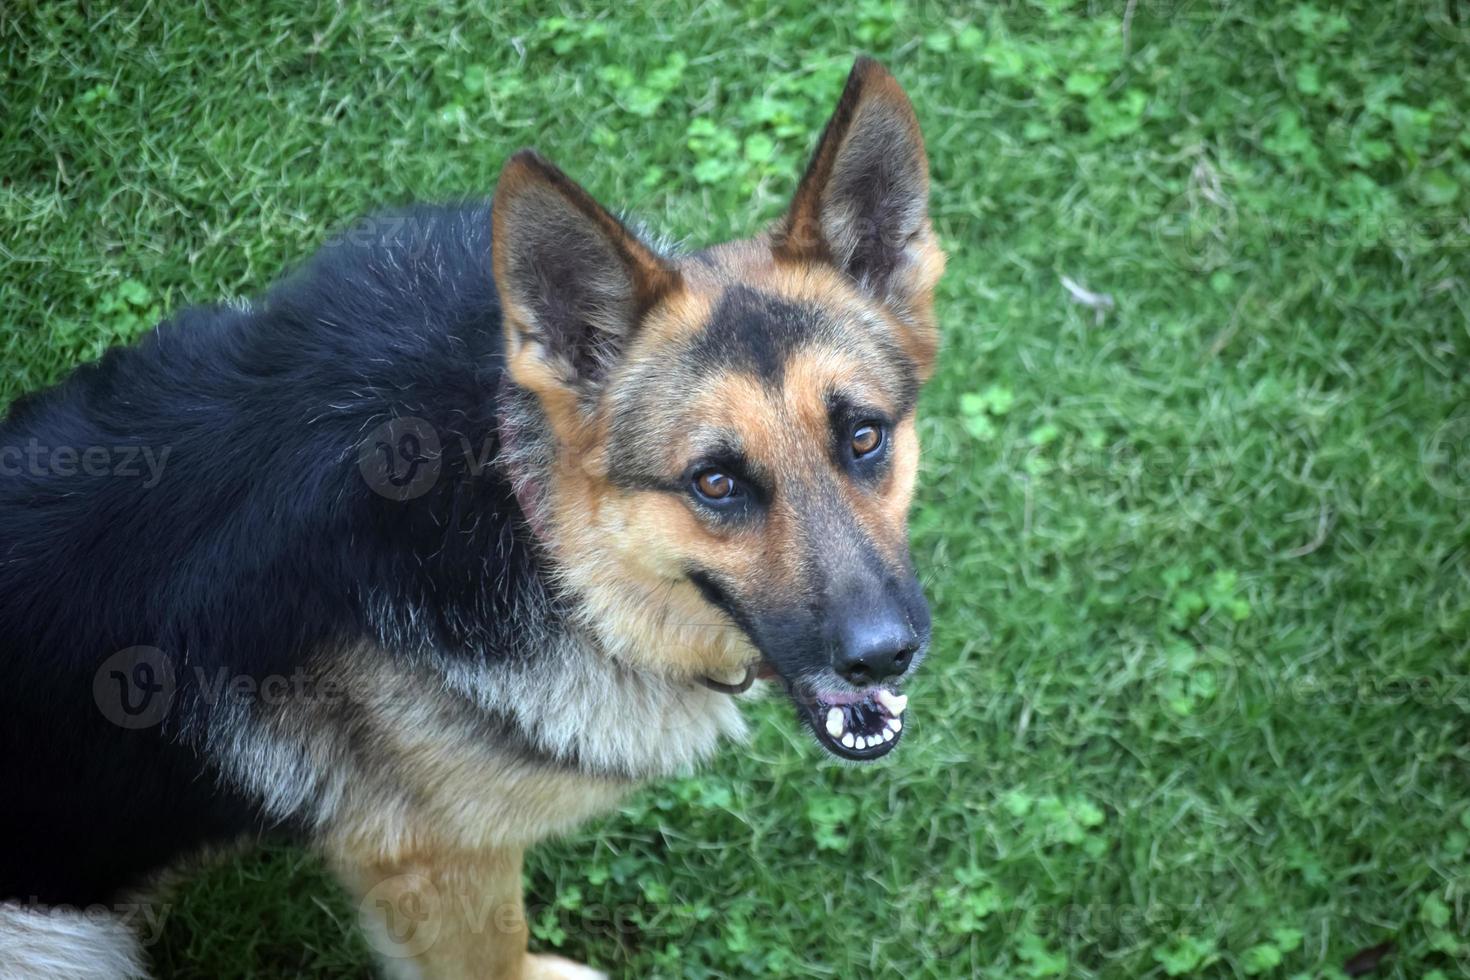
{"x":863,"y":204}
{"x":573,"y":281}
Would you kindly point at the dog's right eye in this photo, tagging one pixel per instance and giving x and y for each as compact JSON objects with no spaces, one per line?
{"x":715,"y":486}
{"x":866,"y":439}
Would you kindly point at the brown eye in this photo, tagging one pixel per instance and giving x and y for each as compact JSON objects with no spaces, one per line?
{"x":866,"y":439}
{"x":714,"y":485}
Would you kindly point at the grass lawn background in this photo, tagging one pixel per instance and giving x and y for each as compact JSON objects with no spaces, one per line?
{"x":1199,"y":698}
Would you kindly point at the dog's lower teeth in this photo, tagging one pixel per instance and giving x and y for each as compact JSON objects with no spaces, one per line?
{"x":894,"y":725}
{"x":887,"y":734}
{"x":849,"y":741}
{"x":834,"y":722}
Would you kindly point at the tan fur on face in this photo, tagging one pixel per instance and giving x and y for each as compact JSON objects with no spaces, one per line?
{"x":882,"y":514}
{"x":626,"y":553}
{"x":619,"y":554}
{"x":754,"y":262}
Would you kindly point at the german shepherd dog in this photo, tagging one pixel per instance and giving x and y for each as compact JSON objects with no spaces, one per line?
{"x":455,"y":537}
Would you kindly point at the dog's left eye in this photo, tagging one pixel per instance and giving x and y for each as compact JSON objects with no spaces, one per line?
{"x":715,"y":486}
{"x":867,"y":439}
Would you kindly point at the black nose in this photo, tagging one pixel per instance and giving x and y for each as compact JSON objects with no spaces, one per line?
{"x":875,"y":649}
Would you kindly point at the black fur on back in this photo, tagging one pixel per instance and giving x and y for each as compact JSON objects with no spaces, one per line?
{"x":261,"y":543}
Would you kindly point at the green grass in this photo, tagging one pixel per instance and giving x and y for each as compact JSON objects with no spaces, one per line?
{"x":1199,"y":699}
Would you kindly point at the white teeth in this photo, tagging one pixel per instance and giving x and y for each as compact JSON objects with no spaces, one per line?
{"x":892,"y":703}
{"x":892,"y":706}
{"x":834,"y":722}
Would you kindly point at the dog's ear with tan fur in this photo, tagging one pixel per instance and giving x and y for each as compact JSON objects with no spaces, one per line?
{"x":573,"y":283}
{"x":863,"y":204}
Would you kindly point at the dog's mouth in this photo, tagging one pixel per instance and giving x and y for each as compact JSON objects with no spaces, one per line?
{"x":857,"y":725}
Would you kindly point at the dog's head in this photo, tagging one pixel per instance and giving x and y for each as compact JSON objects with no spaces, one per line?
{"x":734,"y":435}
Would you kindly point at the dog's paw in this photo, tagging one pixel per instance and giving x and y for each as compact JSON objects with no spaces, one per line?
{"x":541,"y":966}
